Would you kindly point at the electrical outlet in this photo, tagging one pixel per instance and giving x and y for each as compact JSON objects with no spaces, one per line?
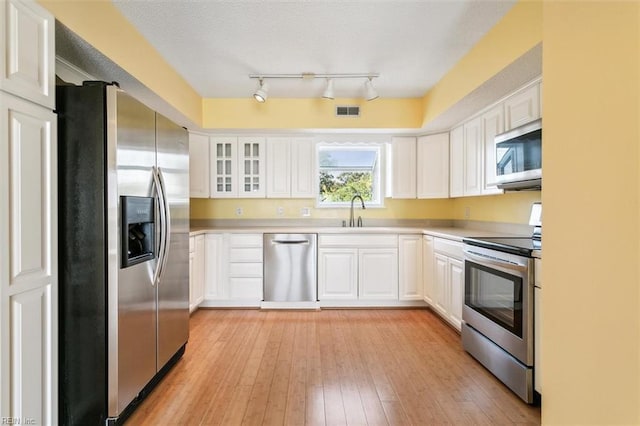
{"x":280,"y":210}
{"x":305,"y":212}
{"x":239,"y":211}
{"x":467,"y":212}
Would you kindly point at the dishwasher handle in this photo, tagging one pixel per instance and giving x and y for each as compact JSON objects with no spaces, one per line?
{"x":290,"y":242}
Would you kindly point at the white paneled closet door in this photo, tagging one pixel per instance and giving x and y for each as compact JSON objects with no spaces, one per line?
{"x":28,"y":261}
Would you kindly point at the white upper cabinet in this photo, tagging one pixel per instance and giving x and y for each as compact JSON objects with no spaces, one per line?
{"x":473,"y":157}
{"x":456,"y":170}
{"x":492,"y":125}
{"x":522,"y":107}
{"x":290,"y":167}
{"x":198,"y":166}
{"x":403,"y":169}
{"x":28,"y":61}
{"x":237,"y":167}
{"x":433,"y":166}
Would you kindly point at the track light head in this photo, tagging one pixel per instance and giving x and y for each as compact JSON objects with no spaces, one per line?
{"x":261,"y":94}
{"x":328,"y":92}
{"x":369,"y":92}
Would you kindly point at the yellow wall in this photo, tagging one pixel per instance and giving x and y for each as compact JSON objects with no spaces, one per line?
{"x":102,"y":25}
{"x":518,"y":32}
{"x":591,"y":280}
{"x":279,"y":113}
{"x":266,"y":209}
{"x":512,"y":207}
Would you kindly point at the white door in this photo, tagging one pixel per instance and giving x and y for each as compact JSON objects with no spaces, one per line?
{"x":442,"y":286}
{"x":198,"y":166}
{"x":302,"y":168}
{"x":433,"y":166}
{"x":278,"y":168}
{"x":214,"y":269}
{"x":251,"y":167}
{"x":473,"y":157}
{"x":522,"y":107}
{"x":456,"y":280}
{"x":378,"y":273}
{"x":223,"y":171}
{"x":456,"y":162}
{"x":428,"y":273}
{"x":492,"y":125}
{"x":28,"y":261}
{"x":337,"y":273}
{"x":403,"y":167}
{"x":192,"y":276}
{"x":410,"y":258}
{"x":198,"y":270}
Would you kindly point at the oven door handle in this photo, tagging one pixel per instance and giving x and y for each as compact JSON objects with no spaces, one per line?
{"x":494,"y":262}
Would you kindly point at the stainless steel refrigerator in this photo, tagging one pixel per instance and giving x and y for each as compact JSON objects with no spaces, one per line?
{"x":123,"y":255}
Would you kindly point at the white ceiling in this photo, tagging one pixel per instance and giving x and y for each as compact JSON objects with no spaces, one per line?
{"x":215,"y":45}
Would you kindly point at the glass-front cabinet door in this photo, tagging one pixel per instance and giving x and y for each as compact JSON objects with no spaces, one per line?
{"x":251,"y":167}
{"x":224,"y":165}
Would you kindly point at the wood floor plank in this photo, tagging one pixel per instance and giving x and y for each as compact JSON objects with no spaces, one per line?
{"x":332,"y":367}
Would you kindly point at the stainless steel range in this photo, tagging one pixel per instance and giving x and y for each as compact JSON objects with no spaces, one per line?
{"x":498,"y":309}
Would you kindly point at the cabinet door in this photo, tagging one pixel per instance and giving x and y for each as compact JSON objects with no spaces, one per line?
{"x":337,"y":273}
{"x":214,"y":270}
{"x":198,"y":166}
{"x":27,"y":65}
{"x":410,"y":259}
{"x":28,"y":261}
{"x":522,"y":107}
{"x":456,"y":169}
{"x":278,"y":168}
{"x":456,"y":281}
{"x":251,"y":167}
{"x":223,"y":173}
{"x":473,"y":157}
{"x":428,"y":273}
{"x":302,"y":168}
{"x":198,"y":270}
{"x":492,"y":125}
{"x":433,"y":166}
{"x":378,"y":274}
{"x":442,"y":286}
{"x":403,"y":167}
{"x":192,"y":294}
{"x":537,"y":339}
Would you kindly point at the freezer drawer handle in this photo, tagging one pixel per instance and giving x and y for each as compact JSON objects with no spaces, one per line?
{"x":290,"y":242}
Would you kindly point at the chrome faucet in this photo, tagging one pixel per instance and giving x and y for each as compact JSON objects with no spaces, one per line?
{"x":352,"y":222}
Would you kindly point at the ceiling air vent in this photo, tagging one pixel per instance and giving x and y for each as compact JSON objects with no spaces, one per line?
{"x":348,"y":111}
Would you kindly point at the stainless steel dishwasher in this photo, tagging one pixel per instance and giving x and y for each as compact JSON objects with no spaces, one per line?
{"x":290,"y":271}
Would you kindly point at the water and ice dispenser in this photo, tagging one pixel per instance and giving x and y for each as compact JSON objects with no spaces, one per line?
{"x":137,"y":241}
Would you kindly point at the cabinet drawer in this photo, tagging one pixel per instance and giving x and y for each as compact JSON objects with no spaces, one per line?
{"x":358,"y":240}
{"x":448,"y":247}
{"x":245,"y":240}
{"x":245,"y":254}
{"x":245,"y":269}
{"x":245,"y":288}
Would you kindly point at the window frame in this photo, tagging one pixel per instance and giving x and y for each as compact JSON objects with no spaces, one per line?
{"x":379,"y":170}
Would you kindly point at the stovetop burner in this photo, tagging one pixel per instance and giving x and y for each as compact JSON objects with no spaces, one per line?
{"x":523,"y":246}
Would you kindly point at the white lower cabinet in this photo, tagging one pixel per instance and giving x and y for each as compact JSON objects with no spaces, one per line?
{"x":448,"y":281}
{"x":428,"y":281}
{"x":357,"y":267}
{"x":410,"y":259}
{"x":338,"y":273}
{"x":537,"y":326}
{"x":233,"y":270}
{"x":378,"y":273}
{"x":196,"y":271}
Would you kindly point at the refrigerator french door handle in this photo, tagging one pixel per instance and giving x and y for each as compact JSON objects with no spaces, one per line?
{"x":166,"y":223}
{"x":161,"y":246}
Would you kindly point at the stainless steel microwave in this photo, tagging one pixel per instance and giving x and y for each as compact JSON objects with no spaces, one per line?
{"x":519,"y":157}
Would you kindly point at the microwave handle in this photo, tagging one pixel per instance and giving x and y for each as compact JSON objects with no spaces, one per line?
{"x":494,"y":262}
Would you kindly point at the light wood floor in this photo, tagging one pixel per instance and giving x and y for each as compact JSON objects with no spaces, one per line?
{"x":331,"y":367}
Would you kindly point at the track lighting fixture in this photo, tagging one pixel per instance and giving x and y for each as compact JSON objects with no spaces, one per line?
{"x":370,"y":92}
{"x":328,"y":92}
{"x":261,"y":93}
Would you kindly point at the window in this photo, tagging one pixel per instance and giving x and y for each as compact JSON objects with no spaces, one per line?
{"x":348,"y":170}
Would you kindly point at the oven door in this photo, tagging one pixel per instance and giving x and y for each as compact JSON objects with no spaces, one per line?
{"x":498,"y":299}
